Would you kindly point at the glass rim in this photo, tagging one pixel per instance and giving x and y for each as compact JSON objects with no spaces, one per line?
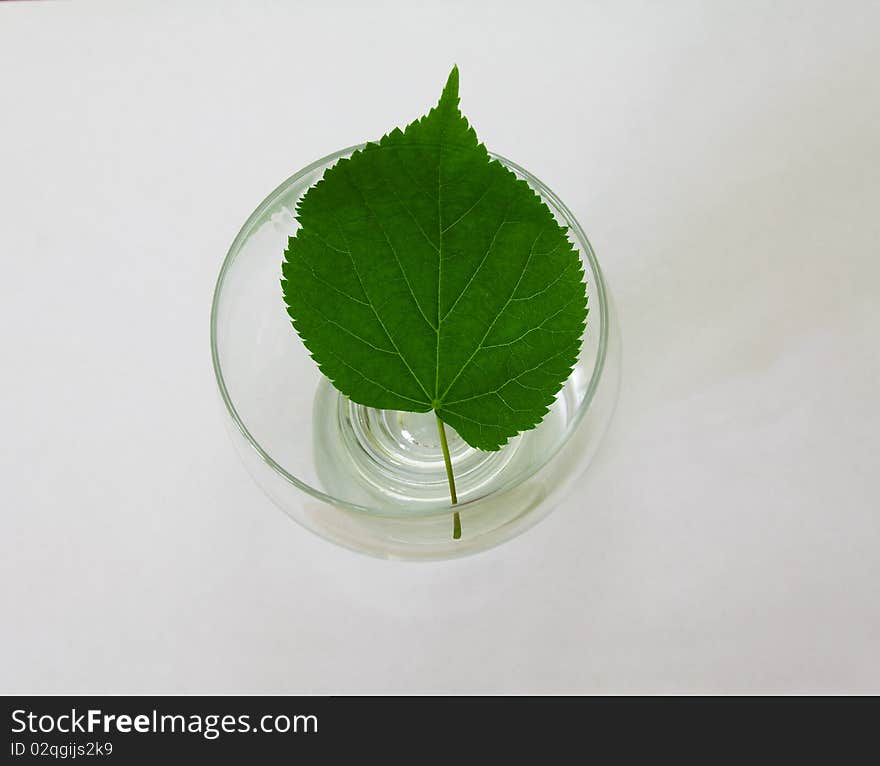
{"x":602,"y":295}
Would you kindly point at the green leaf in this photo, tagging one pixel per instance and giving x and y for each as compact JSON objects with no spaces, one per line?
{"x":426,"y":276}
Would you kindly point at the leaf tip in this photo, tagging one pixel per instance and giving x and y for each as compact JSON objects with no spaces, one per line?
{"x":450,"y":91}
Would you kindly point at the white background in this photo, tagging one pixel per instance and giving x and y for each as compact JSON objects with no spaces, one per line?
{"x":724,"y":158}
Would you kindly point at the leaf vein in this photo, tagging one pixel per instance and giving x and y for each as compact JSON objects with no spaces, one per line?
{"x":471,"y":208}
{"x":333,"y":287}
{"x":375,"y":382}
{"x":376,"y":313}
{"x":514,"y":379}
{"x":497,"y":317}
{"x":480,"y":265}
{"x":378,"y":221}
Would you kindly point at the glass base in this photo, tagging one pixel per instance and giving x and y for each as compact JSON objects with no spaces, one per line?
{"x":394,"y":458}
{"x":399,"y":455}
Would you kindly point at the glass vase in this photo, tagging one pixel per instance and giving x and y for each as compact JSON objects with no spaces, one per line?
{"x":374,"y":481}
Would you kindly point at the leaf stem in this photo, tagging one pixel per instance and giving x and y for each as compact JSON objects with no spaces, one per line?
{"x":456,"y":519}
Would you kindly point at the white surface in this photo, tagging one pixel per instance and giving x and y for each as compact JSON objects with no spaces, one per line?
{"x":723,"y":158}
